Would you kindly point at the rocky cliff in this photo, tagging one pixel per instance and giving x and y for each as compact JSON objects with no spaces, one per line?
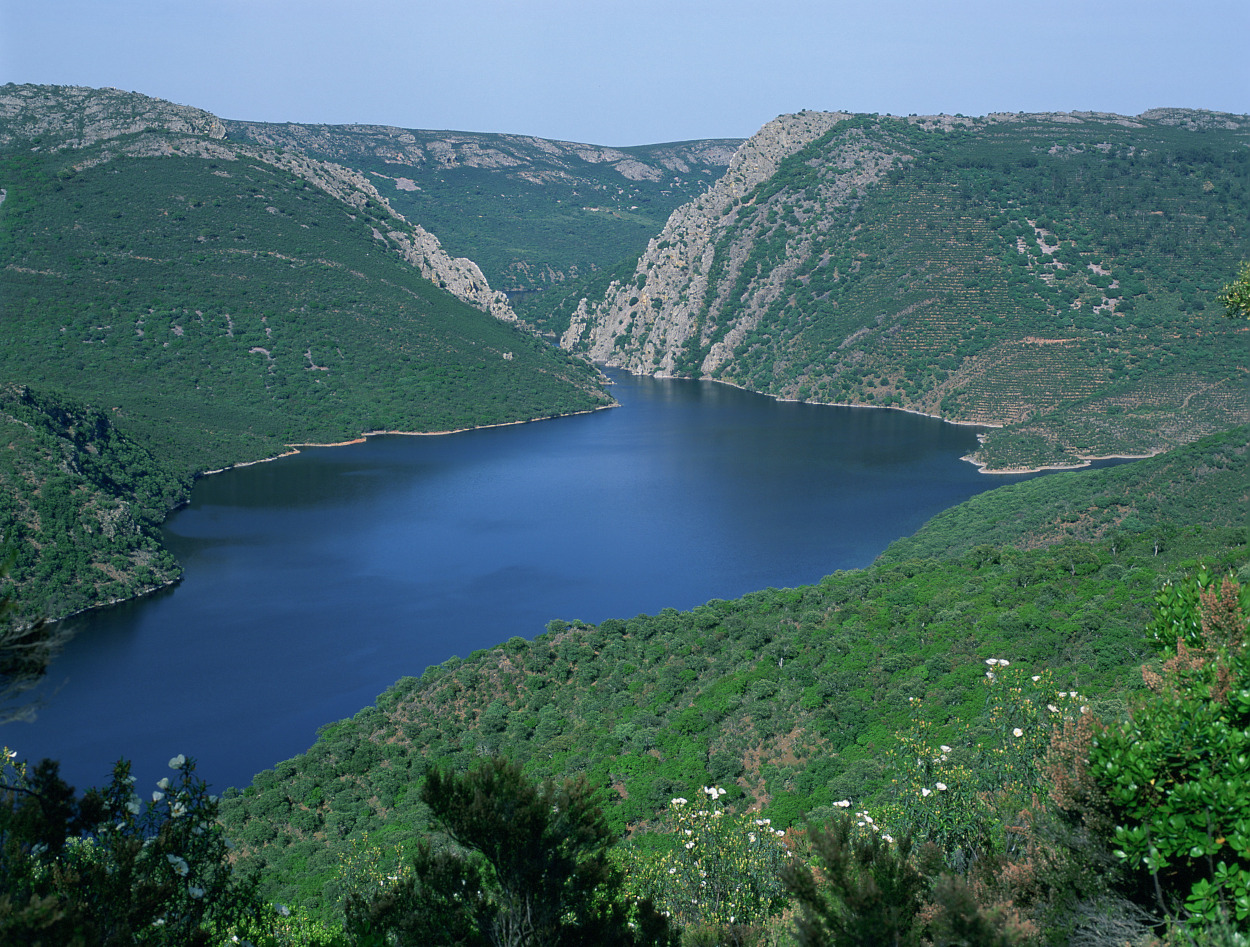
{"x":1006,"y":270}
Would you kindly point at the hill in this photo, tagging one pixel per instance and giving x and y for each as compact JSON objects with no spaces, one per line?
{"x":532,"y":212}
{"x":221,"y":302}
{"x":787,"y":697}
{"x":1048,"y":274}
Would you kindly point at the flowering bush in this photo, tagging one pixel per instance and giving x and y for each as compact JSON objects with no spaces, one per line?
{"x":113,"y":867}
{"x":956,"y":794}
{"x":717,"y":868}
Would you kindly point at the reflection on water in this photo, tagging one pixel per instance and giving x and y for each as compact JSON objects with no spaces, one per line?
{"x":314,"y":582}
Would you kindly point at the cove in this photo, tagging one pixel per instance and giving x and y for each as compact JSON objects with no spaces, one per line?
{"x":314,"y":582}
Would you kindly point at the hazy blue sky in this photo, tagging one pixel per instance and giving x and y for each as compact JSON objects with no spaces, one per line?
{"x":615,"y":72}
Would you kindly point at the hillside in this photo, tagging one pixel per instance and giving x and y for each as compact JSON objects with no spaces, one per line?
{"x":533,"y":213}
{"x":220,"y":302}
{"x":1049,"y":274}
{"x":787,"y":697}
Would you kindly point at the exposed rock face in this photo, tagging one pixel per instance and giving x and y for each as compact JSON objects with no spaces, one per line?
{"x":75,"y":117}
{"x":70,"y":117}
{"x":646,"y":324}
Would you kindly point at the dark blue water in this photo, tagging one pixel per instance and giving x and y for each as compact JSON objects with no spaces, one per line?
{"x":315,"y":582}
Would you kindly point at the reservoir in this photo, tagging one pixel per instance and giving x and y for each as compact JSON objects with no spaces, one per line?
{"x":315,"y":582}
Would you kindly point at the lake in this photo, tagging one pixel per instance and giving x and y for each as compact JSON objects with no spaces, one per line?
{"x":314,"y":582}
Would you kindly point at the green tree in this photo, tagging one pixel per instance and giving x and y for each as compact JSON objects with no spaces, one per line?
{"x":531,"y":870}
{"x":1235,"y":297}
{"x":1176,"y":771}
{"x":109,"y":869}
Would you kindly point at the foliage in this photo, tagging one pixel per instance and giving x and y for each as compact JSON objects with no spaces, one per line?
{"x":110,"y":868}
{"x":964,"y":797}
{"x":1235,"y":296}
{"x":791,"y":697}
{"x":531,"y":870}
{"x":715,"y":869}
{"x":865,"y":890}
{"x":1176,"y":771}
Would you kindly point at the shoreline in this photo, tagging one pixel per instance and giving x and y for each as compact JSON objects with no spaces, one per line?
{"x":1084,"y":462}
{"x":981,"y":467}
{"x":295,"y":448}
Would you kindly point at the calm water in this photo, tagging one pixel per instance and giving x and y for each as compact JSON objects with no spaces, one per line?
{"x":315,"y":582}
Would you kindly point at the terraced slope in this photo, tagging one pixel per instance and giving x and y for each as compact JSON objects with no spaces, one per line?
{"x":1052,"y":274}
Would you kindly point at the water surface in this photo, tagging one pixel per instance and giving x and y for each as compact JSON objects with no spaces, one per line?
{"x":314,"y":582}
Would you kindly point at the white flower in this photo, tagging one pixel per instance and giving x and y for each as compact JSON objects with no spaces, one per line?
{"x":944,"y":748}
{"x":1003,"y":662}
{"x":195,"y":892}
{"x":926,"y":792}
{"x":1085,"y":708}
{"x":178,"y":810}
{"x":133,"y":805}
{"x":162,"y":783}
{"x":1036,"y":678}
{"x":888,"y":838}
{"x":751,"y":836}
{"x":990,"y":675}
{"x":843,"y":804}
{"x":1017,"y":732}
{"x":941,"y":787}
{"x":178,"y":762}
{"x":991,"y":661}
{"x":779,"y":833}
{"x":1063,"y":693}
{"x":12,"y":754}
{"x":672,"y":871}
{"x":689,"y":845}
{"x":157,"y":796}
{"x":179,"y":863}
{"x":679,"y":801}
{"x":1052,"y":708}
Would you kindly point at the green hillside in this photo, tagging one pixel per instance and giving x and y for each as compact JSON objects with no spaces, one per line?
{"x":219,"y":305}
{"x":789,"y":698}
{"x":1054,"y":275}
{"x":531,"y":213}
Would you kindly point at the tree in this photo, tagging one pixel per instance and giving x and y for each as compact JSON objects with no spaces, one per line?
{"x":107,"y":869}
{"x":531,"y":870}
{"x":1235,"y":297}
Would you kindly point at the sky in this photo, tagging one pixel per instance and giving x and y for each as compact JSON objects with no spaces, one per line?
{"x":612,"y":72}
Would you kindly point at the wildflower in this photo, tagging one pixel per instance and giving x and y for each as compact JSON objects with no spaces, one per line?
{"x":944,"y":748}
{"x":162,"y":783}
{"x":990,"y":675}
{"x":1052,"y":708}
{"x":679,"y":801}
{"x":157,"y":795}
{"x":133,"y":805}
{"x":195,"y":892}
{"x":1017,"y":732}
{"x":672,"y":871}
{"x":888,"y":838}
{"x":926,"y":792}
{"x":843,"y":804}
{"x":751,"y":836}
{"x":179,"y":864}
{"x":178,"y":762}
{"x":1036,"y":678}
{"x":689,"y":845}
{"x":178,"y":810}
{"x":941,"y":787}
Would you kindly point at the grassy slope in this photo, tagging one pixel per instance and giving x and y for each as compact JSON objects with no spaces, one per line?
{"x":789,"y":697}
